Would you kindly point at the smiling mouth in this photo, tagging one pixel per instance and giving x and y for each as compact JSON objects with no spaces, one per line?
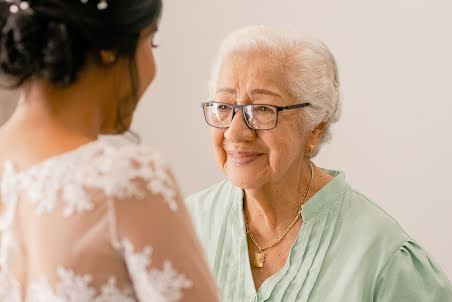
{"x":243,"y":158}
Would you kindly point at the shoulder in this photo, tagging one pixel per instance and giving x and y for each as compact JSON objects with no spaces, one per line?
{"x":216,"y":198}
{"x":211,"y":209}
{"x":135,"y":171}
{"x":365,"y":217}
{"x":120,"y":169}
{"x":128,"y":155}
{"x":412,"y":265}
{"x":368,"y":232}
{"x":402,"y":260}
{"x":369,"y":215}
{"x":118,"y":162}
{"x":357,"y":215}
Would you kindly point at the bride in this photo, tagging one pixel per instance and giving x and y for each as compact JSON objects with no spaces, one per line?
{"x":82,"y":219}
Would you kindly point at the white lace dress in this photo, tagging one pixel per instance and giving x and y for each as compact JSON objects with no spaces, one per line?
{"x":100,"y":223}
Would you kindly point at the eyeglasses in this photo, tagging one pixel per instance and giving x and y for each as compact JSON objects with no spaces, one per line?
{"x":256,"y":116}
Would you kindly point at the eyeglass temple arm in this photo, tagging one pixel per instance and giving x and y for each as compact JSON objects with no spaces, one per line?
{"x":279,"y":107}
{"x":294,"y":106}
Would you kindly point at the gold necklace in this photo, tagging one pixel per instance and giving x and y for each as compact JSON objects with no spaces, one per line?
{"x":259,"y":257}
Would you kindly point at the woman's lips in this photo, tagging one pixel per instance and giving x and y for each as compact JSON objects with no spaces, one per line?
{"x":243,"y":158}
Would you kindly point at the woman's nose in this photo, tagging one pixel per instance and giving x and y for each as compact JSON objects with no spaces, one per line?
{"x":239,"y":131}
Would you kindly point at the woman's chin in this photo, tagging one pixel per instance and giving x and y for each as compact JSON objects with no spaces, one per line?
{"x":245,"y":178}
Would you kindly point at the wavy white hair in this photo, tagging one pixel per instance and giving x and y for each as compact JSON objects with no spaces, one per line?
{"x":311,"y":73}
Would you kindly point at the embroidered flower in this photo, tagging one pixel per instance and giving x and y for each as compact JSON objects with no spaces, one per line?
{"x":153,"y":284}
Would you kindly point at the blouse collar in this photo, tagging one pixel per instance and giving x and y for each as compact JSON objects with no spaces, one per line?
{"x":320,"y":201}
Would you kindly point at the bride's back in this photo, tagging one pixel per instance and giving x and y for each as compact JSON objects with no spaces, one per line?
{"x":99,"y":223}
{"x":82,"y":219}
{"x":59,"y":220}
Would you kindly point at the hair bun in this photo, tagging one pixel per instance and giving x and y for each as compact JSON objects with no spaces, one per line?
{"x":62,"y":54}
{"x":51,"y":39}
{"x":31,"y":46}
{"x":19,"y":46}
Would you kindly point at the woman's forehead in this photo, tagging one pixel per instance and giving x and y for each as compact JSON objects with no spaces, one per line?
{"x":252,"y":74}
{"x":253,"y":63}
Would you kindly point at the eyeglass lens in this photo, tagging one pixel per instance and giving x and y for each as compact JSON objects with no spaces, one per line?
{"x":256,"y":116}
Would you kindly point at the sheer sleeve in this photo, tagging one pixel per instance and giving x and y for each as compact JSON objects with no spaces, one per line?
{"x":412,"y":275}
{"x":155,"y":236}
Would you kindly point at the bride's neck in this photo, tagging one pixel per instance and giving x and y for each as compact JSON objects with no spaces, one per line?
{"x":49,"y":111}
{"x":47,"y":123}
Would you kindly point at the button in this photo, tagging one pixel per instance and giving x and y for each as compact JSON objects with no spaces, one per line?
{"x":253,"y":299}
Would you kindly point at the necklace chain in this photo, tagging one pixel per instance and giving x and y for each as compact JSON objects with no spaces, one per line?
{"x":291,"y":224}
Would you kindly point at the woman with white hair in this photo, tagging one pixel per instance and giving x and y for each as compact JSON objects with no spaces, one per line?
{"x":280,"y":228}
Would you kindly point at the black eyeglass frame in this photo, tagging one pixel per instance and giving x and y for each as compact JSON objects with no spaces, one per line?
{"x":234,"y":107}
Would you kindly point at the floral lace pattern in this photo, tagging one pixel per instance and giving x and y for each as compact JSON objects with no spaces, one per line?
{"x":74,"y":288}
{"x":125,"y":163}
{"x":9,"y":288}
{"x":155,"y":285}
{"x":60,"y":182}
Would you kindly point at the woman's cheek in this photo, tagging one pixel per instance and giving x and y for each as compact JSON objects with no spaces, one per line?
{"x":216,"y":136}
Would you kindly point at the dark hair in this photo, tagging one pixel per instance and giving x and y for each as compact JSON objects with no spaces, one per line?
{"x":52,"y":39}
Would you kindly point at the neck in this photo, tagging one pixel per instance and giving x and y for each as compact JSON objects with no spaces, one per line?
{"x":75,"y":111}
{"x":272,"y":206}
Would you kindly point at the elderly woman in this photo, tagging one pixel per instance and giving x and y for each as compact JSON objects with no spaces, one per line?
{"x":280,"y":228}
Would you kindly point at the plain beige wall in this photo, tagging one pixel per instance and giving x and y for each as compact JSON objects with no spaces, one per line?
{"x":8,"y":100}
{"x":394,"y":141}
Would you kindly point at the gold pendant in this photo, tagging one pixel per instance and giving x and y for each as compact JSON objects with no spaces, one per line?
{"x":259,"y":259}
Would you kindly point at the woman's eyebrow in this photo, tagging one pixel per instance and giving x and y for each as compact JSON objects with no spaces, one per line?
{"x":229,"y":90}
{"x":264,"y":91}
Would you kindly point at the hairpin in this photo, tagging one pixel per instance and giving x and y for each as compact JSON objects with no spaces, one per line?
{"x":101,"y":5}
{"x":17,"y":5}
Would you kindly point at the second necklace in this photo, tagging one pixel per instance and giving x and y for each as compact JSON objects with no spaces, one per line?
{"x":259,"y":257}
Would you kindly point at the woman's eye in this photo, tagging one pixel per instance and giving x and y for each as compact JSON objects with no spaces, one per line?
{"x":223,"y":107}
{"x":263,"y":108}
{"x":154,"y":45}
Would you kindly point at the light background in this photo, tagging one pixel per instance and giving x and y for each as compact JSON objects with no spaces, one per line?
{"x":394,"y":141}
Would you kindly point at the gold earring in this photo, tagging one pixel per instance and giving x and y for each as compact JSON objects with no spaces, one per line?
{"x":310,"y":152}
{"x":108,"y":57}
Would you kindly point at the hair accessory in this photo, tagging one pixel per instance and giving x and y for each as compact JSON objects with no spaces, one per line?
{"x":108,"y":56}
{"x":16,"y":6}
{"x":101,"y":5}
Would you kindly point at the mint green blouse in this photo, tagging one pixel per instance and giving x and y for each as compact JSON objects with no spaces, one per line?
{"x":347,"y":250}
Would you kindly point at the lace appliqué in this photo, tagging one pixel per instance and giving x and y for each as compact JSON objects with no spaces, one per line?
{"x":139,"y":164}
{"x":74,"y":288}
{"x":154,"y":285}
{"x":97,"y":165}
{"x":8,"y":197}
{"x":65,"y":182}
{"x":9,"y":288}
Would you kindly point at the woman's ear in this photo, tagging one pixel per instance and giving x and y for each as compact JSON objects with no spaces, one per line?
{"x":315,"y":137}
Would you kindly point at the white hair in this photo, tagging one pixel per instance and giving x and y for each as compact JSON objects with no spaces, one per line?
{"x":311,"y":73}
